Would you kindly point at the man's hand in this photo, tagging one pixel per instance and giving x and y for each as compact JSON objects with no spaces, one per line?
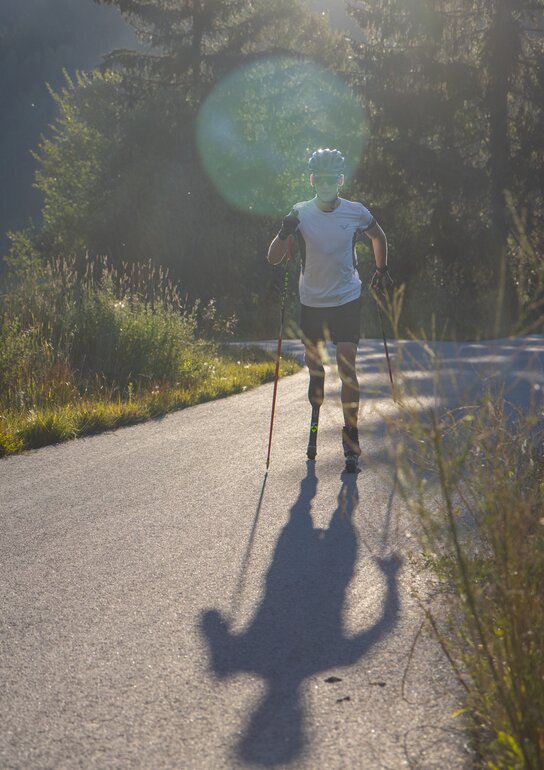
{"x":381,"y":280}
{"x":390,"y":565}
{"x":289,"y":225}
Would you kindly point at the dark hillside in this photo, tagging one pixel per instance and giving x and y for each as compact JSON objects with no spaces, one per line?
{"x":38,"y":38}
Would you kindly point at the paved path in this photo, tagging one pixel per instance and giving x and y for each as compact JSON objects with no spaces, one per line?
{"x":165,"y":604}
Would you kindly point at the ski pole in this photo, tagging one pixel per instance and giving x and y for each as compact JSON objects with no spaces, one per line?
{"x":278,"y":352}
{"x":386,"y":352}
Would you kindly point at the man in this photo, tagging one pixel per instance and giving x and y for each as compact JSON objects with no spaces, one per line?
{"x":329,"y":286}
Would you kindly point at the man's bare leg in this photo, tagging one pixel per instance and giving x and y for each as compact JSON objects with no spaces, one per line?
{"x":314,"y":362}
{"x":345,"y":357}
{"x":346,"y":353}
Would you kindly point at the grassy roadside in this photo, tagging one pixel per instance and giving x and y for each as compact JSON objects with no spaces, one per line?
{"x":229,"y":371}
{"x":473,"y":479}
{"x":87,"y":347}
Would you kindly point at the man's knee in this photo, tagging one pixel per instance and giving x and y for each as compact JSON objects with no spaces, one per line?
{"x":346,"y":353}
{"x":316,"y":391}
{"x":317,"y":377}
{"x":314,"y":360}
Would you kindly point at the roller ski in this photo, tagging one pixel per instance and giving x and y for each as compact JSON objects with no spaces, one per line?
{"x":352,"y":450}
{"x":311,"y":452}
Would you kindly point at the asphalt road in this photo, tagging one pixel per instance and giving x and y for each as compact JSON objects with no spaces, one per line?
{"x":167,"y":604}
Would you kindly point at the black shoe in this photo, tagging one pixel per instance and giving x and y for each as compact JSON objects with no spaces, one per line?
{"x":352,"y":450}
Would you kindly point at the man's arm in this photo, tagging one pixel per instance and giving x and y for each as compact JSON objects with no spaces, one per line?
{"x":277,"y":250}
{"x":379,"y":244}
{"x":279,"y":246}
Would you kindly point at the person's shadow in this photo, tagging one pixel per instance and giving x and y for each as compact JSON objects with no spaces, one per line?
{"x":297,"y":631}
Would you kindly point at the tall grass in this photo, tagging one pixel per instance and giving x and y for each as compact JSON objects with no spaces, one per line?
{"x":89,"y":347}
{"x":473,"y":479}
{"x":65,"y":332}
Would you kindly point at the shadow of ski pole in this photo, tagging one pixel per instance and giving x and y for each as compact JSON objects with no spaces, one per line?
{"x":240,"y":583}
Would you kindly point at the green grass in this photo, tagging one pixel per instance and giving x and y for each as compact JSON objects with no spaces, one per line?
{"x":90,"y":348}
{"x":475,"y":483}
{"x":235,"y":372}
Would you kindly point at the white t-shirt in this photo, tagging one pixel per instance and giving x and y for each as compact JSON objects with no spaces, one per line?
{"x":328,"y":275}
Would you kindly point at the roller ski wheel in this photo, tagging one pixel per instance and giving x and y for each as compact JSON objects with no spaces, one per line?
{"x":352,"y":450}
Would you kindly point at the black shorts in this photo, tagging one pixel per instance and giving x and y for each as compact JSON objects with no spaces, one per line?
{"x":339,"y":324}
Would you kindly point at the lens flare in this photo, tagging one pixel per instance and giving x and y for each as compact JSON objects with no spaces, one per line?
{"x":258,"y":127}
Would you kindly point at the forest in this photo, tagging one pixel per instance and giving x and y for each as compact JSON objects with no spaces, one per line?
{"x":186,"y":151}
{"x":138,"y":224}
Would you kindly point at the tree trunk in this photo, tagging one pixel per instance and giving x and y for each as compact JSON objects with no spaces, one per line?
{"x":501,"y":65}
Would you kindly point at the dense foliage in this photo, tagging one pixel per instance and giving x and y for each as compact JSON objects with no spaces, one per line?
{"x":455,"y":98}
{"x":37,"y":41}
{"x":452,"y":169}
{"x":84,"y":354}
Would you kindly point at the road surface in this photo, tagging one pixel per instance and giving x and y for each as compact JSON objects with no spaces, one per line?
{"x":167,"y":604}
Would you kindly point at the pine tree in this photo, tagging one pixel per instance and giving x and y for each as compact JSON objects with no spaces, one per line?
{"x":445,"y":83}
{"x":415,"y":82}
{"x":120,"y":172}
{"x":192,"y":43}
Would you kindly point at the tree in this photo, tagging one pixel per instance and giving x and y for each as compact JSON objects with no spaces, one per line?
{"x":419,"y":164}
{"x":445,"y":84}
{"x":195,"y":42}
{"x":37,"y":41}
{"x":510,"y":48}
{"x":121,"y":175}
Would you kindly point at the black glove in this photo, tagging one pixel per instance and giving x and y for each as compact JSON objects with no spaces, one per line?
{"x":381,"y":280}
{"x":289,"y":225}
